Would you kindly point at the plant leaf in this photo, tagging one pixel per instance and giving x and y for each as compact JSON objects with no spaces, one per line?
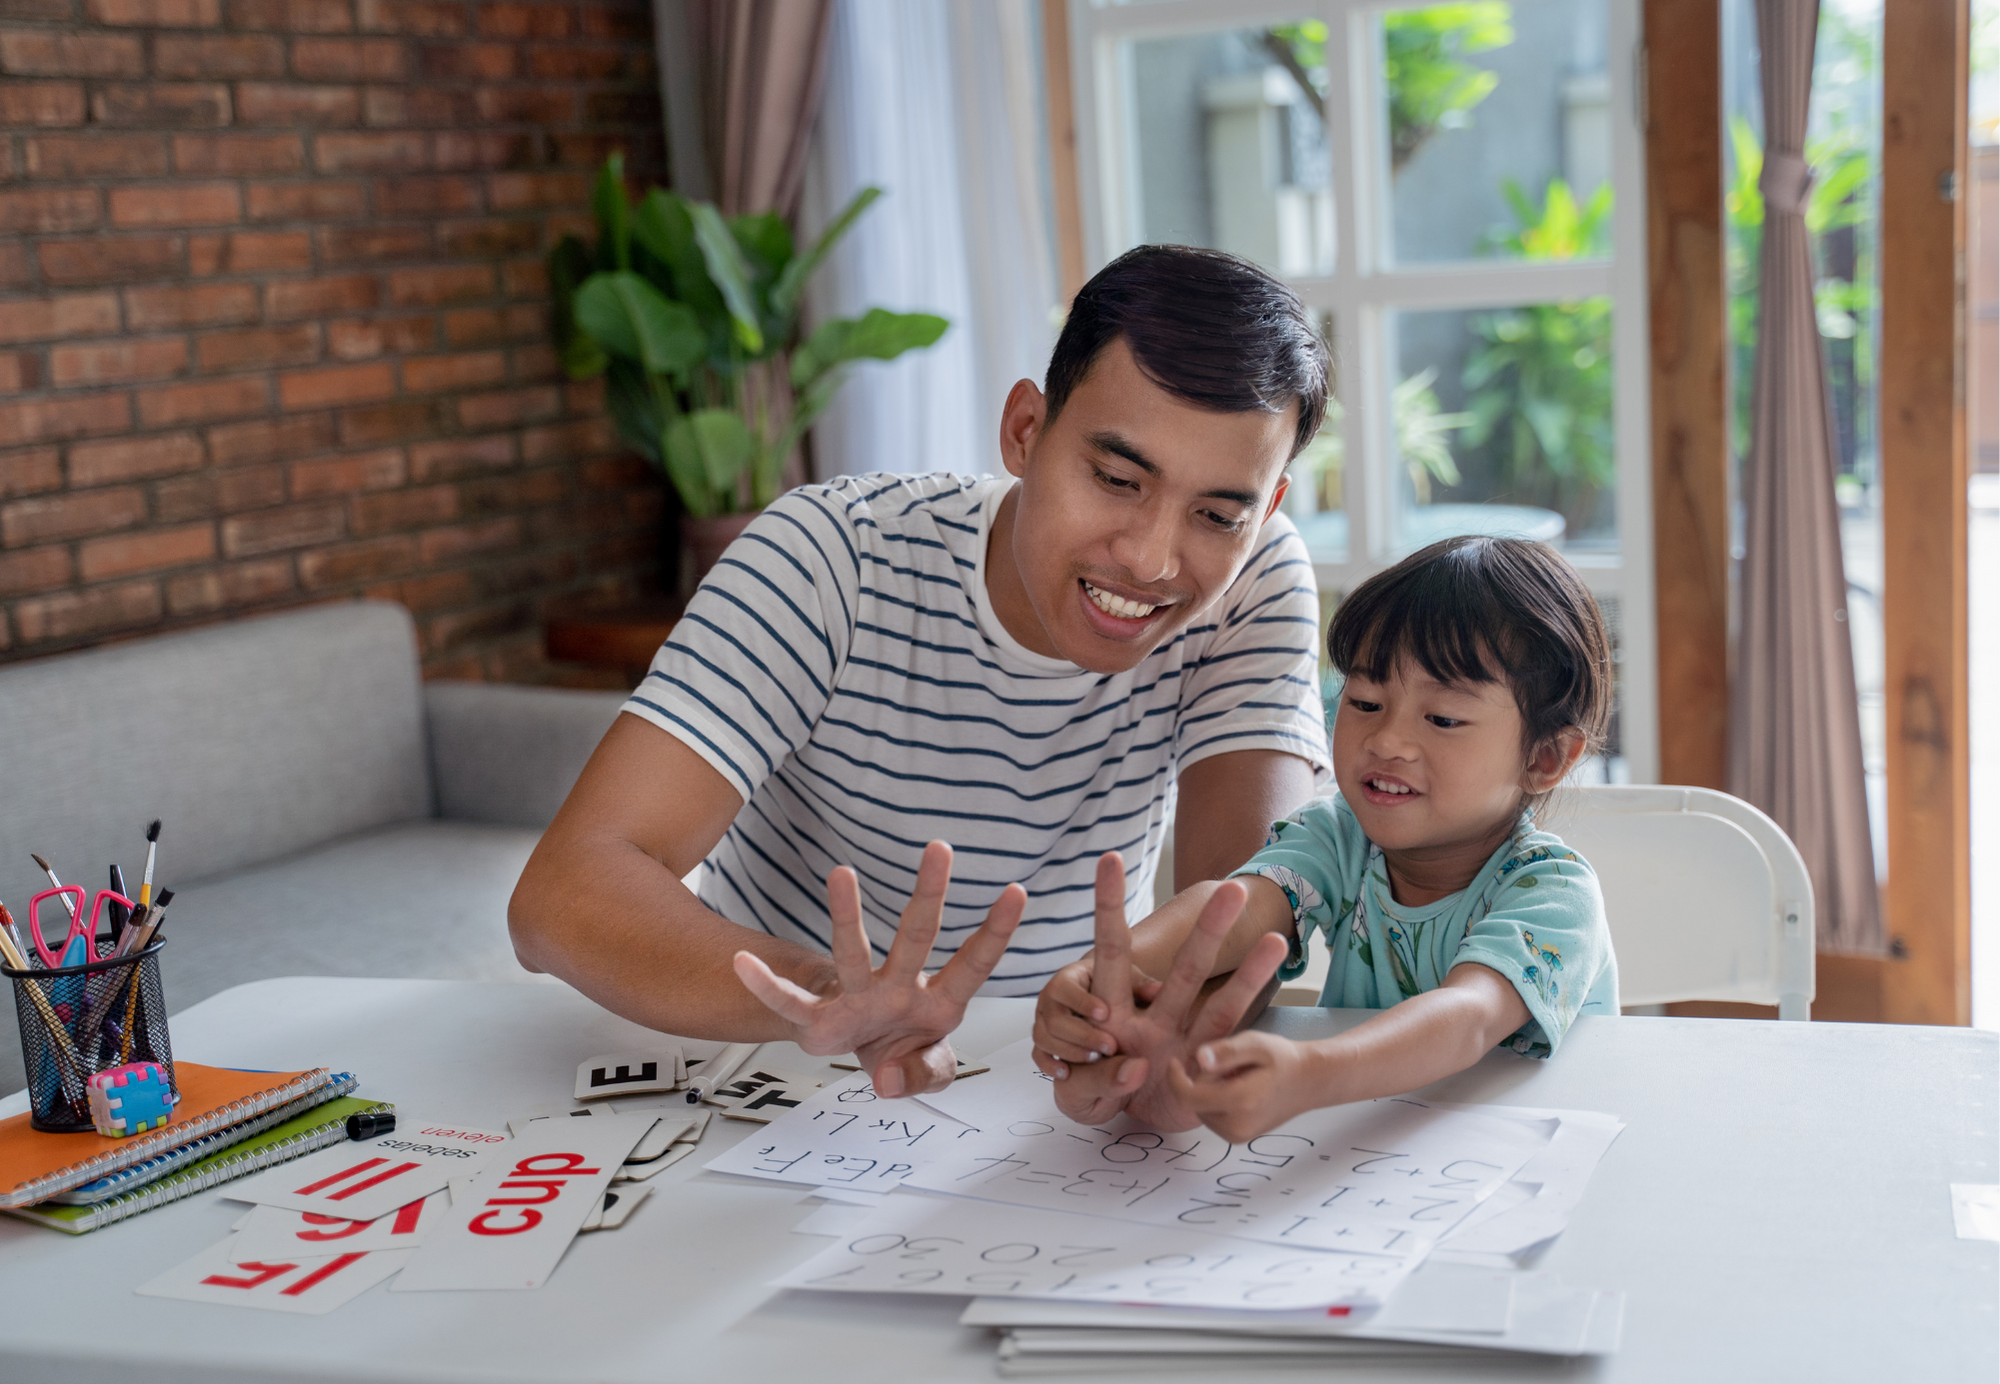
{"x":730,"y":271}
{"x":725,"y":445}
{"x":607,"y":200}
{"x":792,"y":282}
{"x":629,"y":317}
{"x":879,"y":335}
{"x":662,"y":225}
{"x":766,"y":239}
{"x":569,"y":266}
{"x":682,"y":456}
{"x":631,"y":406}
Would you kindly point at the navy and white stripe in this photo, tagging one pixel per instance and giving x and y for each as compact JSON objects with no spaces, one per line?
{"x":843,"y":668}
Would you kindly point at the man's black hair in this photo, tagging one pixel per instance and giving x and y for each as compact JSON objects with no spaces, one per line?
{"x":1208,"y":327}
{"x":1472,"y":610}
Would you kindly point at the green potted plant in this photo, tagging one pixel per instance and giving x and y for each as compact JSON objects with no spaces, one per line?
{"x":693,"y":320}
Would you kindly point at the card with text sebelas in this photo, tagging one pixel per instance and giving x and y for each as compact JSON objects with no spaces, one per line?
{"x":306,"y":1284}
{"x":510,"y":1228}
{"x":365,"y":1178}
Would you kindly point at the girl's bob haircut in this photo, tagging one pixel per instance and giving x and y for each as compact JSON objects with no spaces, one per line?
{"x":1479,"y":610}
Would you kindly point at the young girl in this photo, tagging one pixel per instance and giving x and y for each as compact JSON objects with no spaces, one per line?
{"x":1477,"y":675}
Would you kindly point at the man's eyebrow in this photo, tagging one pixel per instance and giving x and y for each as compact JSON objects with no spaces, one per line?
{"x":1117,"y":445}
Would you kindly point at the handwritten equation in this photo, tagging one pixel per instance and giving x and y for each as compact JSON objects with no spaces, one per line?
{"x":845,"y":1136}
{"x":1385,"y":1177}
{"x":917,"y":1244}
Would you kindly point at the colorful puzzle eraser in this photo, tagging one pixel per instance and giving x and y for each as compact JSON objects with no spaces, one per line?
{"x":131,"y":1099}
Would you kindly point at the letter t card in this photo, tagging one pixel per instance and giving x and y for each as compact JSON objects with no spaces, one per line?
{"x":528,"y":1202}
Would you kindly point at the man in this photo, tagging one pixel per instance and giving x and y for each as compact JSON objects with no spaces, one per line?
{"x":1119,"y":635}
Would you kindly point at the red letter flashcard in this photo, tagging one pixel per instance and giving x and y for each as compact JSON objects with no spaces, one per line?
{"x":270,"y":1230}
{"x":307,"y":1284}
{"x":366,"y":1178}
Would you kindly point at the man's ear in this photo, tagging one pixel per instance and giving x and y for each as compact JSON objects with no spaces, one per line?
{"x":1021,"y":425}
{"x":1550,"y":762}
{"x":1278,"y":495}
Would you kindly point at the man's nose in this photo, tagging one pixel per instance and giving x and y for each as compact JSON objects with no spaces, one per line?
{"x":1148,"y":546}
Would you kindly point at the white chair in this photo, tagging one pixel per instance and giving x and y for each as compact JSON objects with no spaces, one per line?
{"x":1707,"y":897}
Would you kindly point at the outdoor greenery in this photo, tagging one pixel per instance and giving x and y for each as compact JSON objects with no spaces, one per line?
{"x":693,"y":318}
{"x":1538,"y":384}
{"x":1431,"y":86}
{"x":1423,"y":431}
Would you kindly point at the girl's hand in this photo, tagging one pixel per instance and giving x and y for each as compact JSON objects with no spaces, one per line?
{"x":1247,"y":1085}
{"x":1069,"y":1018}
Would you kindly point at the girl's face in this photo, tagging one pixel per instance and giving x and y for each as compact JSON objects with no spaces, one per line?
{"x":1427,"y":766}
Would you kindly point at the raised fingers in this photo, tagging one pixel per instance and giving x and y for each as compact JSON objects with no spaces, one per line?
{"x":979,"y":954}
{"x":1194,"y":963}
{"x":790,"y":1002}
{"x":852,"y":961}
{"x":1111,"y":975}
{"x":918,"y":928}
{"x":1226,"y":1007}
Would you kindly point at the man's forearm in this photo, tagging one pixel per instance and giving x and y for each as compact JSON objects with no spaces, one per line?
{"x":620,"y":926}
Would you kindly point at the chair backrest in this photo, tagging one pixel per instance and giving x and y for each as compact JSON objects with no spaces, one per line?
{"x":249,"y":740}
{"x":1707,"y":897}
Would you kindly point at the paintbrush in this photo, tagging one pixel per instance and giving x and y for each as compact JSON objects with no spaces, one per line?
{"x":50,"y":871}
{"x":152,"y":848}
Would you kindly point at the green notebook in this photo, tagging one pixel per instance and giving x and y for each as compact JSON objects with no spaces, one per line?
{"x":303,"y":1134}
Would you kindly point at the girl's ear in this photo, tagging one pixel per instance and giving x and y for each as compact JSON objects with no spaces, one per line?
{"x":1550,"y":762}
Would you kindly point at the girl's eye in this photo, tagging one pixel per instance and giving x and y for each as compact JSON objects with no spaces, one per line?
{"x":1360,"y":705}
{"x":1443,"y":722}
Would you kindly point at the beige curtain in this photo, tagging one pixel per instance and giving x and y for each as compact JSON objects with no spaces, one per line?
{"x":1796,"y":737}
{"x":750,"y":74}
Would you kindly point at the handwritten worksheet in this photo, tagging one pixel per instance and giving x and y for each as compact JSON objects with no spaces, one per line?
{"x":1386,"y":1176}
{"x":921,"y":1244}
{"x":846,"y":1136}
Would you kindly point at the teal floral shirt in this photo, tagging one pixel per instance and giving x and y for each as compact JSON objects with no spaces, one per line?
{"x":1533,"y":913}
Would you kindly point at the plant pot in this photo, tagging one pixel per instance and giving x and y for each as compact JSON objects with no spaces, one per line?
{"x":704,"y":539}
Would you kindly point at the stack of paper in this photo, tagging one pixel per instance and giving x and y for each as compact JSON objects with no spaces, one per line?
{"x":1391,"y":1224}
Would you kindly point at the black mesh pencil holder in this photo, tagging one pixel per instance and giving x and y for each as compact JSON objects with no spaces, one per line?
{"x":77,"y":1021}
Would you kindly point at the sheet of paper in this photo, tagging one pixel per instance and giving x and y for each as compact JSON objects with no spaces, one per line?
{"x":634,"y":1073}
{"x":1975,"y":1210}
{"x":845,"y":1136}
{"x":834,"y":1219}
{"x":1381,"y":1177}
{"x":1560,"y":1174}
{"x":956,"y":1246}
{"x":365,"y":1178}
{"x":511,"y":1228}
{"x":848,"y":1196}
{"x":1011,"y":1089}
{"x":270,"y":1230}
{"x":305,"y":1284}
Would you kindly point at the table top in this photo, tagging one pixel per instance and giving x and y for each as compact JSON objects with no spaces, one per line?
{"x":1778,"y":1208}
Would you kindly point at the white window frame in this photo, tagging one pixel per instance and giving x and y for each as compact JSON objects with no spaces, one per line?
{"x":1364,"y":286}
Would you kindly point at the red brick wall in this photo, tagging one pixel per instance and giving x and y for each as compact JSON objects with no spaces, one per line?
{"x":273,"y":318}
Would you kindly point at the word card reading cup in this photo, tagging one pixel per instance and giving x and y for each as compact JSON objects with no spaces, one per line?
{"x":305,"y":1284}
{"x":270,"y":1230}
{"x":629,"y":1073}
{"x":364,"y":1179}
{"x":511,"y":1227}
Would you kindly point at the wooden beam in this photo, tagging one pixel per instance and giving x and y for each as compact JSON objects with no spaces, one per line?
{"x":1690,"y":397}
{"x":1068,"y":207}
{"x":1929,"y":894}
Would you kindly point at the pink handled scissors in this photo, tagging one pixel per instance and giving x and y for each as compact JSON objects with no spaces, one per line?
{"x":82,"y":924}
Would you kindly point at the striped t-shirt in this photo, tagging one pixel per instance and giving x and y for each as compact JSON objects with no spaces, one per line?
{"x":843,"y":668}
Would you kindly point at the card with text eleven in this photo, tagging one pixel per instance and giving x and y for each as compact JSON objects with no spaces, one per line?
{"x":305,"y":1284}
{"x":363,"y":1179}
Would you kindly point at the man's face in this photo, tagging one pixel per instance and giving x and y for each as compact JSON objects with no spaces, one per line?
{"x":1135,"y":512}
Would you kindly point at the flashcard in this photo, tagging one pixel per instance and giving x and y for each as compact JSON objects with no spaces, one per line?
{"x":617,"y":1206}
{"x":362,"y":1179}
{"x":744,"y":1085}
{"x":270,"y":1230}
{"x":306,"y":1284}
{"x":666,"y":1132}
{"x":630,"y":1073}
{"x":847,"y":1064}
{"x":582,"y":1112}
{"x":642,"y":1172}
{"x":512,"y":1227}
{"x":767,"y":1103}
{"x":458,"y":1187}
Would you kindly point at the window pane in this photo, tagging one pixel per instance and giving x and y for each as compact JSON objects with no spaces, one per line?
{"x":1317,"y":499}
{"x":1502,"y":424}
{"x":1496,"y":124}
{"x":1228,"y":145}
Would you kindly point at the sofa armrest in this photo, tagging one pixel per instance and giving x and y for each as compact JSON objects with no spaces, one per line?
{"x":509,"y":755}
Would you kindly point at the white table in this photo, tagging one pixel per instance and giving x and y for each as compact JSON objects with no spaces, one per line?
{"x":1777,"y":1210}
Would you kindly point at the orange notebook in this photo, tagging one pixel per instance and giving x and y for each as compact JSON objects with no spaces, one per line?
{"x":35,"y":1165}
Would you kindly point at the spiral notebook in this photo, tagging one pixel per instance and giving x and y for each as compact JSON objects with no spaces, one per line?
{"x":35,"y":1165}
{"x":294,"y":1138}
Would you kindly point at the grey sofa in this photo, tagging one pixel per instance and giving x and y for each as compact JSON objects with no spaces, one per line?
{"x":325,"y":811}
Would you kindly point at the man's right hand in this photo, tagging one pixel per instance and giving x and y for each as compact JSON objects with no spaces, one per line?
{"x":893,"y":1018}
